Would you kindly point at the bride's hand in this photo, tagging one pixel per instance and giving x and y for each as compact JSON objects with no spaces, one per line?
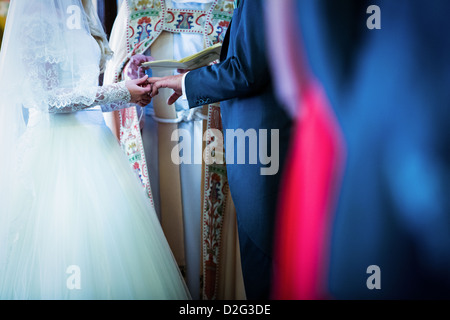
{"x":139,"y":90}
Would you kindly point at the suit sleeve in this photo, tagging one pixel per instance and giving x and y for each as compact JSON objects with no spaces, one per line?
{"x":244,"y":72}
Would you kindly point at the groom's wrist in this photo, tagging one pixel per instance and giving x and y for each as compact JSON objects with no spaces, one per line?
{"x":183,"y":86}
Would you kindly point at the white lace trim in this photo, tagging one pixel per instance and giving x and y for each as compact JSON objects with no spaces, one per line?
{"x":63,"y":78}
{"x":111,"y":97}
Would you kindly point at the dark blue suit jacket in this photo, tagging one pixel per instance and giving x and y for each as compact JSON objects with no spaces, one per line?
{"x":242,"y":83}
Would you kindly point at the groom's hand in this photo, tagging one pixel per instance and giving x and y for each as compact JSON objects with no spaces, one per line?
{"x":171,"y":82}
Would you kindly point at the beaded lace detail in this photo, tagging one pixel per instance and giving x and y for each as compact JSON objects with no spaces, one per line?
{"x":110,"y":97}
{"x":64,"y":78}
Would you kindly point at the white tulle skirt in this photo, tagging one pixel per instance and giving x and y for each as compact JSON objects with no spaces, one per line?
{"x":82,"y":226}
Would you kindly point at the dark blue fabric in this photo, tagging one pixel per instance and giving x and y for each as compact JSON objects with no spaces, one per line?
{"x":390,"y":89}
{"x":242,"y":81}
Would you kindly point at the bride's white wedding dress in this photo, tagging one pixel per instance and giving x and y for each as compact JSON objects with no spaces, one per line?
{"x":79,"y":224}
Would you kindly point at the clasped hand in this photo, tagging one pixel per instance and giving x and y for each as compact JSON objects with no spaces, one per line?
{"x":143,"y":88}
{"x":140,"y":90}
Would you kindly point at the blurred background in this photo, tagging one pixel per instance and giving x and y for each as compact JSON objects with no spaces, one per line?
{"x":384,"y":130}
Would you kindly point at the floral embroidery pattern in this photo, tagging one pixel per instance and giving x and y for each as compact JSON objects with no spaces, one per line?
{"x":214,"y":202}
{"x":148,"y":19}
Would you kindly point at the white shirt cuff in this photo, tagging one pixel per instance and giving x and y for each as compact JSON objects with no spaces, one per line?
{"x":183,"y":86}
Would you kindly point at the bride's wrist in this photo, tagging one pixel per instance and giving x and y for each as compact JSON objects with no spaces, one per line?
{"x":123,"y":87}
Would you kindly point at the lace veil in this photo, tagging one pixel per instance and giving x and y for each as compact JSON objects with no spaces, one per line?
{"x":49,"y":61}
